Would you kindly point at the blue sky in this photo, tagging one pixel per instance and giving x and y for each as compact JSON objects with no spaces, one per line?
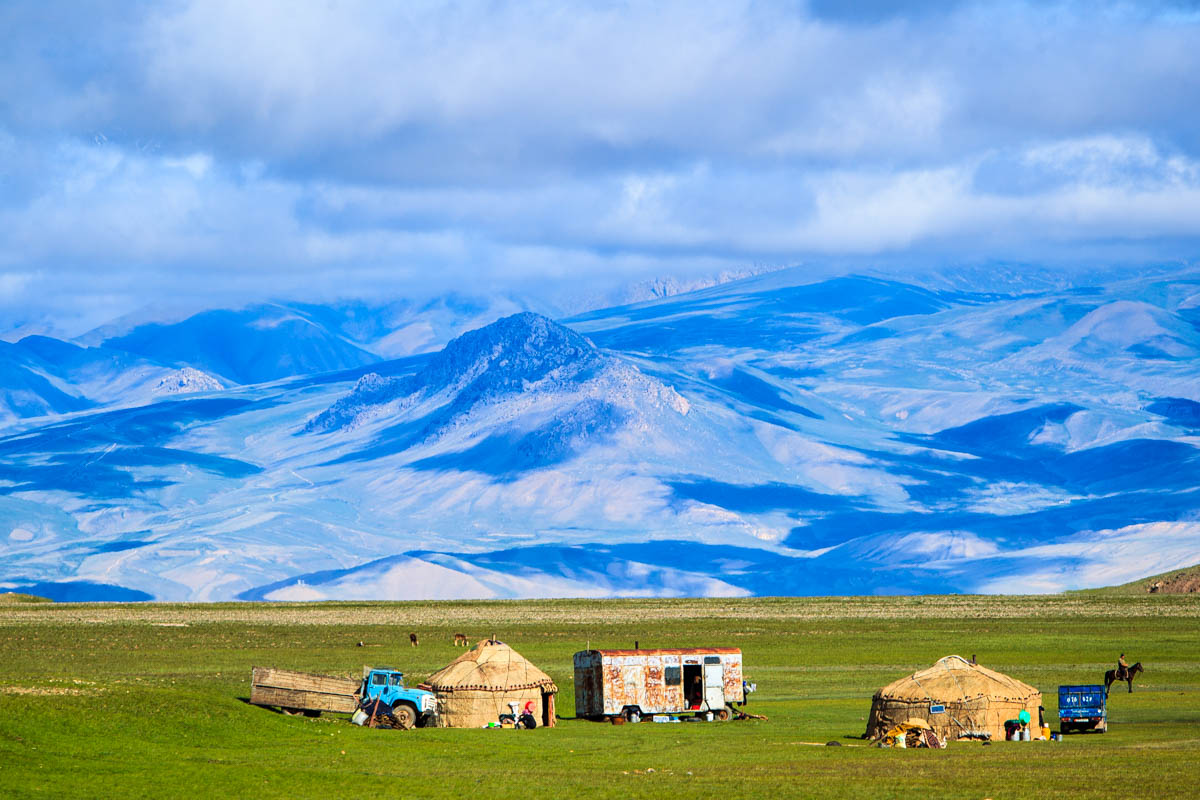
{"x":228,"y":151}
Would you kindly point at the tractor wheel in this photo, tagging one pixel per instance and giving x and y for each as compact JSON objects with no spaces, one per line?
{"x":291,"y":712}
{"x":632,"y":715}
{"x":406,"y":715}
{"x":722,"y":715}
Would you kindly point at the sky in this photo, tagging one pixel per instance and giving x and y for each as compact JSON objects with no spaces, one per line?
{"x":221,"y":152}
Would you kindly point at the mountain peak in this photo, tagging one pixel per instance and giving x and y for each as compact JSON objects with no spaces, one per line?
{"x":512,"y":355}
{"x":187,"y":381}
{"x":508,"y":355}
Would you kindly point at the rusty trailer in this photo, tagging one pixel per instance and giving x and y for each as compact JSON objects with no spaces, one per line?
{"x":636,"y":683}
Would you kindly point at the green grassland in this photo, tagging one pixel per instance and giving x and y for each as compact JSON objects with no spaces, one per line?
{"x":17,"y":597}
{"x":148,"y":700}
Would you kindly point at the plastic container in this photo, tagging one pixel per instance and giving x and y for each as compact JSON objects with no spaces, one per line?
{"x":902,"y":741}
{"x":1025,"y":736}
{"x":359,"y":717}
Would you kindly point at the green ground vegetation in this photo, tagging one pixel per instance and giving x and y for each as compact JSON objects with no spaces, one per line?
{"x":1142,"y":585}
{"x":18,"y":597}
{"x":148,"y":700}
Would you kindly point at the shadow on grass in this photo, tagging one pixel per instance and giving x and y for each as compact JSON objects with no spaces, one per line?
{"x":272,"y":709}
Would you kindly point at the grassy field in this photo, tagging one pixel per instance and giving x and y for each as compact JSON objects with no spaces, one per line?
{"x":147,"y":700}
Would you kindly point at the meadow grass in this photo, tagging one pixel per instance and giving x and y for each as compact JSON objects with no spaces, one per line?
{"x":19,"y":597}
{"x":148,"y":700}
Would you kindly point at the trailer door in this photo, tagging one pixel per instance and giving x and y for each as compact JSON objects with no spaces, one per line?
{"x":714,"y":683}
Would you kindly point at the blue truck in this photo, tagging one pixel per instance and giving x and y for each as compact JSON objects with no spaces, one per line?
{"x":1082,"y":708}
{"x":305,"y":693}
{"x":411,"y":707}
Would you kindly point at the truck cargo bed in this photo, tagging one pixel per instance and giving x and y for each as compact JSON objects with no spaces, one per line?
{"x":302,"y":690}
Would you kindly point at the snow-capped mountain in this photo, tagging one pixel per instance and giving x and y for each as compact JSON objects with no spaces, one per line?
{"x":770,"y":435}
{"x":261,"y":343}
{"x":43,"y":377}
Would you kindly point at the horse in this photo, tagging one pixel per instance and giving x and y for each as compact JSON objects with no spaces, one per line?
{"x":460,"y":639}
{"x":412,"y":640}
{"x":1110,"y":677}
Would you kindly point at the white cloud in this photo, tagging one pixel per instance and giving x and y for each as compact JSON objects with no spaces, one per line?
{"x":224,"y":147}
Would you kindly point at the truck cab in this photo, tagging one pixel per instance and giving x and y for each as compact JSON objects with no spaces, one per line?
{"x":1082,"y":708}
{"x":415,"y":707}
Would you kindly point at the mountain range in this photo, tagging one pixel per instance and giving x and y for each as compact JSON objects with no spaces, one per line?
{"x":764,"y":436}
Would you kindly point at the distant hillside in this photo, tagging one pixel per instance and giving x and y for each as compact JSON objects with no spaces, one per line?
{"x":18,"y":597}
{"x":256,"y":344}
{"x":1179,"y":581}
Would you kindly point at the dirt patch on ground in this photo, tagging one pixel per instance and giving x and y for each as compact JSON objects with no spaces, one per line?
{"x":1183,"y":583}
{"x":45,"y":691}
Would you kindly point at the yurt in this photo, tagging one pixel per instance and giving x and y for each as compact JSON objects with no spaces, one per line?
{"x":957,"y":698}
{"x":478,"y":686}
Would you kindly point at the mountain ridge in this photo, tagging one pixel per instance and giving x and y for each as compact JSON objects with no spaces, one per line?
{"x":763,"y":436}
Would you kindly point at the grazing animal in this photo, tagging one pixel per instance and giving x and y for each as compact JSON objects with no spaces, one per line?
{"x":460,"y":639}
{"x":412,"y":639}
{"x":1111,"y":676}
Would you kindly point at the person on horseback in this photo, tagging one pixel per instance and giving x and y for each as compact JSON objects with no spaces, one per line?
{"x":1122,"y":668}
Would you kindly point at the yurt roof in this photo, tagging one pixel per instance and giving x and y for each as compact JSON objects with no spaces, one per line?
{"x":954,"y":678}
{"x":490,"y":666}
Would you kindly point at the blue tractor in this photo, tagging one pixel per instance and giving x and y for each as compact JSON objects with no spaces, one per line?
{"x":384,"y":694}
{"x":1082,"y":708}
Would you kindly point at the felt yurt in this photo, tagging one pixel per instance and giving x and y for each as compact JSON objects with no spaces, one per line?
{"x":958,"y":699}
{"x":478,"y":686}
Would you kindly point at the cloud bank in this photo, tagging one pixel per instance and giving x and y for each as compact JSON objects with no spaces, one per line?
{"x":225,"y":150}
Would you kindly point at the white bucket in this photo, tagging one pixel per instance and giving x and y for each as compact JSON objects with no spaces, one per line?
{"x":1025,"y":735}
{"x":902,"y":740}
{"x":359,"y":717}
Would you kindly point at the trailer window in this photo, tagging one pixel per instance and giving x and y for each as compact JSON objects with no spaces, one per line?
{"x":712,"y":659}
{"x":672,"y":677}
